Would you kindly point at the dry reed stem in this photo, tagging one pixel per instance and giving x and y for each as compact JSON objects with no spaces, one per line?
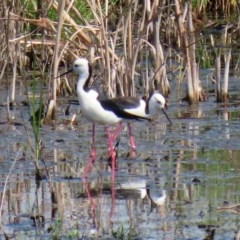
{"x":105,"y":53}
{"x":56,"y":58}
{"x":218,"y":77}
{"x":187,"y":40}
{"x":226,"y":76}
{"x":44,"y":23}
{"x":151,"y":24}
{"x":161,"y":80}
{"x":104,"y":46}
{"x":192,"y":57}
{"x":127,"y":49}
{"x":221,"y":83}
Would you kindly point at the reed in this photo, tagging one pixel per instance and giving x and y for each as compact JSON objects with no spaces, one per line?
{"x":132,"y":43}
{"x":221,"y":46}
{"x":218,"y":7}
{"x":221,"y":82}
{"x":188,"y":44}
{"x":36,"y":112}
{"x":161,"y":79}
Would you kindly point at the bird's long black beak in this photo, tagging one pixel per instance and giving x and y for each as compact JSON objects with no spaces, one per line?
{"x":63,"y":74}
{"x":167,"y":116}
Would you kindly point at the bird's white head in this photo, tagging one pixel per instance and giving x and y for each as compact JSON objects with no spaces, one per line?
{"x":156,"y":103}
{"x":81,"y":66}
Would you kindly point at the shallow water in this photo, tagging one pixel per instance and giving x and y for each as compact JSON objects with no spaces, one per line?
{"x":195,"y":162}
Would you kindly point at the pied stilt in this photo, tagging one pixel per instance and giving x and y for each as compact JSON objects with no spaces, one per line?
{"x":111,"y":111}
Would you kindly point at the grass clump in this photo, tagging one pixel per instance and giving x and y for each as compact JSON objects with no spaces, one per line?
{"x":124,"y":234}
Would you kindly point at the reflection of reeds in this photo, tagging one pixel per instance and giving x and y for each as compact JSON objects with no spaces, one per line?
{"x":5,"y":187}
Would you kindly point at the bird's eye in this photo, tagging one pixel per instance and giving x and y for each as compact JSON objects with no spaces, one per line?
{"x":75,"y":65}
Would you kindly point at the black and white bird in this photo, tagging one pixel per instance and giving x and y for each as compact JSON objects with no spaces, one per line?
{"x":112,"y":111}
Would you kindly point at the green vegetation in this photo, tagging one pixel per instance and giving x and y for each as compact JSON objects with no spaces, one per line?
{"x":124,"y":234}
{"x":37,"y":114}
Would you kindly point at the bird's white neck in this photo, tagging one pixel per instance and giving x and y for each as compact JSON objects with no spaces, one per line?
{"x":82,"y":78}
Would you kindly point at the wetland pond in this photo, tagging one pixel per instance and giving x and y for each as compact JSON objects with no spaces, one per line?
{"x":193,"y":166}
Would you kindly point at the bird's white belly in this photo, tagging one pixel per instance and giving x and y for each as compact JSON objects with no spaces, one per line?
{"x":93,"y":111}
{"x":103,"y":117}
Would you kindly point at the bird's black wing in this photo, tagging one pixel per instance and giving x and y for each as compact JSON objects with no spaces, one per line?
{"x":117,"y":105}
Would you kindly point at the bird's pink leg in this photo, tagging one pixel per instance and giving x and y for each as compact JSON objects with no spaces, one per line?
{"x":110,"y":143}
{"x":111,"y":152}
{"x":116,"y":131}
{"x":93,"y":149}
{"x":131,"y":142}
{"x":113,"y":156}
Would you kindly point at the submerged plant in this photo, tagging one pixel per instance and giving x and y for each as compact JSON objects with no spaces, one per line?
{"x":56,"y":229}
{"x":124,"y":234}
{"x":36,"y":113}
{"x":57,"y":232}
